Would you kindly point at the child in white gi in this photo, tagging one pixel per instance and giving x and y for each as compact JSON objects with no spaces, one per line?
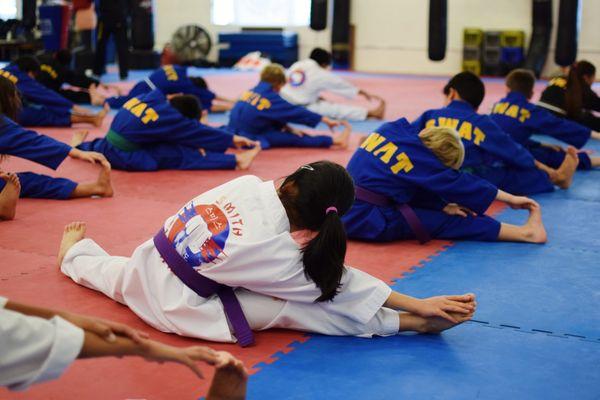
{"x":308,"y":79}
{"x":248,"y":241}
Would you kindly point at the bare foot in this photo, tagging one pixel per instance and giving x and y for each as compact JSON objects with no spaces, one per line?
{"x":534,"y":228}
{"x":415,"y":323}
{"x":9,"y":195}
{"x":99,"y":118}
{"x":341,"y":140}
{"x":73,"y":233}
{"x":229,"y":382}
{"x":78,"y":138}
{"x":96,"y":98}
{"x":379,"y":111}
{"x":104,"y":184}
{"x":564,"y":173}
{"x":244,"y":159}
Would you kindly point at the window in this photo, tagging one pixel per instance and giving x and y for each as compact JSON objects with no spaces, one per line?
{"x":8,"y":9}
{"x":261,"y":13}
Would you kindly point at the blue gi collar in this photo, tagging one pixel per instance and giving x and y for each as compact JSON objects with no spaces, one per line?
{"x":516,"y":97}
{"x":460,"y":105}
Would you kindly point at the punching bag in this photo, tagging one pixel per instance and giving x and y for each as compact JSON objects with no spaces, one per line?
{"x":567,"y":33}
{"x":540,"y":36}
{"x":340,"y":34}
{"x":318,"y":15}
{"x":438,"y":21}
{"x":142,"y":31}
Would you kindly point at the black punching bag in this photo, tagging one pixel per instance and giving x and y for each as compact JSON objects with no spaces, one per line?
{"x":142,"y":30}
{"x":438,"y":21}
{"x":540,"y":36}
{"x":567,"y":33}
{"x":29,"y":14}
{"x":340,"y":34}
{"x":318,"y":15}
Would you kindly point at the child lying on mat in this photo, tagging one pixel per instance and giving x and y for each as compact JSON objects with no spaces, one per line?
{"x":173,"y":79}
{"x":491,"y":153}
{"x":39,"y":344}
{"x":43,"y":106}
{"x":250,"y":255}
{"x":19,"y":142}
{"x":409,"y":186}
{"x":262,"y":114}
{"x":152,"y":133}
{"x":522,"y":119}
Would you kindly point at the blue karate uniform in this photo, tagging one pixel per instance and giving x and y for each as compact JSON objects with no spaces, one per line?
{"x":262,"y":114}
{"x":490,"y":153}
{"x":148,"y":134}
{"x":18,"y":142}
{"x":169,"y":79}
{"x":522,"y":119}
{"x":393,"y":162}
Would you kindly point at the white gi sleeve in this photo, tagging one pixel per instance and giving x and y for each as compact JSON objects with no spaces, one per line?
{"x":34,"y":349}
{"x":338,"y":85}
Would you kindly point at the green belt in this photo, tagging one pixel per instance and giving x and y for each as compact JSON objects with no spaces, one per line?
{"x":120,"y":142}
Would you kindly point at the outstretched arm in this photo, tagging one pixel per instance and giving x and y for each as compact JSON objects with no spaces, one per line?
{"x":439,"y":306}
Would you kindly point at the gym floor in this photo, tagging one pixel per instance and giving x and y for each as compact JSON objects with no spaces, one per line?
{"x":536,"y":333}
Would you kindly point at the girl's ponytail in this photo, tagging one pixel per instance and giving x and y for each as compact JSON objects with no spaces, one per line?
{"x":574,"y":93}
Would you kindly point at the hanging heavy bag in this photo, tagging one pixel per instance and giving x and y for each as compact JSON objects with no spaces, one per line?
{"x":438,"y":21}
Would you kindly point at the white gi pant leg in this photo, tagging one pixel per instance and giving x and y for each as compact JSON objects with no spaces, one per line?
{"x":263,"y":312}
{"x":339,"y":111}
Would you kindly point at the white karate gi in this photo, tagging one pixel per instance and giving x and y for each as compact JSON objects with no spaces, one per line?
{"x":33,"y":349}
{"x":258,"y":256}
{"x":306,"y":81}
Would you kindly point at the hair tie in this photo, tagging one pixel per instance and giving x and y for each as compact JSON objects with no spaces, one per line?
{"x":330,"y":209}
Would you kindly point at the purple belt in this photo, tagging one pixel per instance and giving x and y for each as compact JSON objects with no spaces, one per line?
{"x":407,"y":212}
{"x":205,"y":287}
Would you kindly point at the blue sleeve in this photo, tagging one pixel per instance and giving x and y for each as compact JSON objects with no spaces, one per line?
{"x":287,"y":113}
{"x":567,"y":131}
{"x":39,"y":94}
{"x":502,"y":145}
{"x":19,"y":142}
{"x":205,"y":96}
{"x":194,"y":134}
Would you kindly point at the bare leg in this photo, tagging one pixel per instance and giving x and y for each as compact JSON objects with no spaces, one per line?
{"x":78,"y":138}
{"x":102,"y":187}
{"x":73,"y":233}
{"x":229,"y":382}
{"x":244,"y":159}
{"x":595,"y":161}
{"x":221,"y":107}
{"x":379,"y":111}
{"x":414,"y":323}
{"x":532,"y":232}
{"x":9,"y":196}
{"x":95,"y":120}
{"x":563,"y":176}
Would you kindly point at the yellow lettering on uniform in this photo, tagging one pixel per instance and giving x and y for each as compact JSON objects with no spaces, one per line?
{"x":255,"y":99}
{"x":9,"y":76}
{"x":479,"y":136}
{"x":150,"y":115}
{"x":170,"y":72}
{"x":403,"y":164}
{"x":139,"y":109}
{"x":525,"y":114}
{"x":130,"y":103}
{"x":513,"y":111}
{"x":263,"y":104}
{"x":374,"y":140}
{"x":430,"y":123}
{"x":560,"y":82}
{"x":245,"y":96}
{"x":500,"y":108}
{"x":465,"y":130}
{"x":47,"y":68}
{"x":388,"y":151}
{"x":449,"y":123}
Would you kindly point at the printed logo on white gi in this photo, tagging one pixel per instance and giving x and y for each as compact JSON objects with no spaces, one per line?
{"x":297,"y":77}
{"x":199,"y":233}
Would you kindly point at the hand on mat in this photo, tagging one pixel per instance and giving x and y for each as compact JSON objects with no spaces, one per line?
{"x":522,"y":202}
{"x":440,"y":306}
{"x":108,"y":330}
{"x":188,"y":356}
{"x":241,"y":142}
{"x":331,"y":123}
{"x":455,"y":209}
{"x":89,"y":156}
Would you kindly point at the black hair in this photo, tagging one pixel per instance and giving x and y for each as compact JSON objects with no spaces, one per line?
{"x":521,"y":81}
{"x":188,"y":105}
{"x":199,"y":82}
{"x":469,"y":87}
{"x":10,"y":102}
{"x":321,"y":56}
{"x":28,"y":64}
{"x":63,"y":57}
{"x":575,"y":87}
{"x":306,"y":195}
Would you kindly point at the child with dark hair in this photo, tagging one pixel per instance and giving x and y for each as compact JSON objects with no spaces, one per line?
{"x":42,"y":106}
{"x":310,"y":78}
{"x":19,"y":142}
{"x":152,"y":132}
{"x":573,"y":97}
{"x":491,"y":153}
{"x":262,"y":114}
{"x":522,"y":119}
{"x":274,"y":257}
{"x":173,"y":79}
{"x":409,"y":186}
